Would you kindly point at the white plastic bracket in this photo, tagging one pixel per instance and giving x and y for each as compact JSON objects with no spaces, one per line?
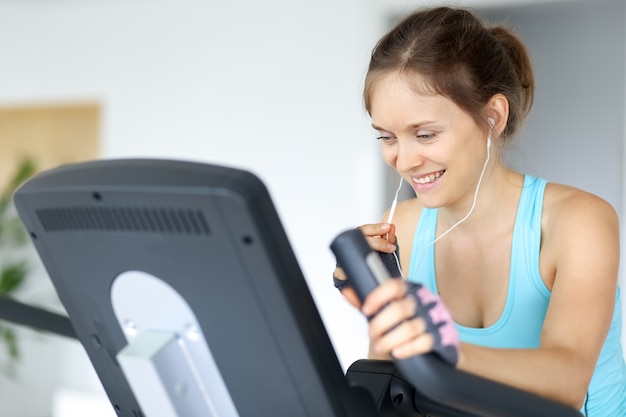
{"x":167,"y":362}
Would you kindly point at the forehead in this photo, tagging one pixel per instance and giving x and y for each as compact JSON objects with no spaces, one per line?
{"x":400,"y":99}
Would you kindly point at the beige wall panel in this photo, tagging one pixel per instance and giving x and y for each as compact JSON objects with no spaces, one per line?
{"x":50,"y":135}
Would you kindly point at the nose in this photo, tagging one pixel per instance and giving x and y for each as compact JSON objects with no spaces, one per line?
{"x":407,"y":155}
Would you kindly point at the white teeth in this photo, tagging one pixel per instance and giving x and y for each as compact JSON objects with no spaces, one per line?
{"x":428,"y":179}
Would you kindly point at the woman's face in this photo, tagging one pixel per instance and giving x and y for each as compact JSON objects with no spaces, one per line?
{"x":432,"y":143}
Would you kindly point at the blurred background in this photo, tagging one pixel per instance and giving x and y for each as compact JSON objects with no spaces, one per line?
{"x":273,"y":87}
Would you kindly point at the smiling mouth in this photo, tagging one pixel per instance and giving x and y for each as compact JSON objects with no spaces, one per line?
{"x":427,"y":179}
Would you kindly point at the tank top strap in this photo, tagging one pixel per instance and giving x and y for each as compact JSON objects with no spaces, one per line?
{"x":526,"y":243}
{"x":530,"y":207}
{"x":422,"y":269}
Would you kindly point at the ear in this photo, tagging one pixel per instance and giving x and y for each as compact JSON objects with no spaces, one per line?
{"x":497,"y":109}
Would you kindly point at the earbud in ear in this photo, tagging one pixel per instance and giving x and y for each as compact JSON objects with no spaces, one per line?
{"x":491,"y":125}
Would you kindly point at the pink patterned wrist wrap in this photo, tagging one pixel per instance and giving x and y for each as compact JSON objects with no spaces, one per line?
{"x":438,"y":322}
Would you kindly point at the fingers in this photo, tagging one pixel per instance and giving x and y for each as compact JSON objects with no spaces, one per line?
{"x":352,"y":297}
{"x":417,"y":345}
{"x":399,"y":339}
{"x":390,"y":290}
{"x":347,"y":291}
{"x":394,"y":329}
{"x":340,"y":274}
{"x":380,"y":236}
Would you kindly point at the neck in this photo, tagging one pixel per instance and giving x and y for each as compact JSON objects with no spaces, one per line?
{"x":497,"y":194}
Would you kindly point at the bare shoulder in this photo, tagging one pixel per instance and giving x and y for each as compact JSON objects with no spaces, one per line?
{"x":566,"y":205}
{"x":406,"y":216}
{"x":579,"y":262}
{"x":577,"y":223}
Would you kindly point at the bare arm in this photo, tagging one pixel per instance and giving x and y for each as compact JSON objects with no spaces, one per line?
{"x":582,"y":239}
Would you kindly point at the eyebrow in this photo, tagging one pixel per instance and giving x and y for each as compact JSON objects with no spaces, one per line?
{"x":413,"y":126}
{"x":376,"y":127}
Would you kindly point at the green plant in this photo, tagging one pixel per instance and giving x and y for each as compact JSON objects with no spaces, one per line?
{"x":14,"y":264}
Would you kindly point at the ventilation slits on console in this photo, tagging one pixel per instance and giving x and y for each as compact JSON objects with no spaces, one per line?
{"x":124,"y":219}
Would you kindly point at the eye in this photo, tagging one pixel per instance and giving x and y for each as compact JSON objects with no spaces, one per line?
{"x":425,"y":136}
{"x":386,"y":138}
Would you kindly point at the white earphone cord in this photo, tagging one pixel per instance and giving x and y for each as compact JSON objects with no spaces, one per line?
{"x":389,"y":218}
{"x":395,"y":201}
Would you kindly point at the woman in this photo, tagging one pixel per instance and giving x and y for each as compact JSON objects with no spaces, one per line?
{"x":527,"y":270}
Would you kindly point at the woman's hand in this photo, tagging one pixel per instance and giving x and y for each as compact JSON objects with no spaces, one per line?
{"x":406,"y":319}
{"x":394,"y":330}
{"x":380,"y":237}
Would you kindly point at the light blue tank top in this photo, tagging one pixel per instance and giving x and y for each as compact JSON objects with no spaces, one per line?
{"x":527,"y":300}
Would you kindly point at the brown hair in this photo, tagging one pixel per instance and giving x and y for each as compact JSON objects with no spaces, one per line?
{"x":461,"y":59}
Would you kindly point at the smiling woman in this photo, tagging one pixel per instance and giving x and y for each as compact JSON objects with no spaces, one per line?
{"x":528,"y":268}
